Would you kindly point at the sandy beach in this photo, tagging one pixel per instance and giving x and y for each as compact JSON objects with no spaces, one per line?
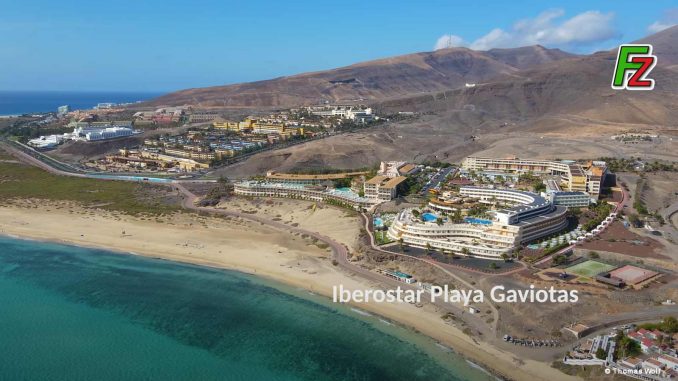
{"x":253,"y":248}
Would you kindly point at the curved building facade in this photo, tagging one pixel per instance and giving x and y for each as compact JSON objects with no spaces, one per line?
{"x":529,"y":217}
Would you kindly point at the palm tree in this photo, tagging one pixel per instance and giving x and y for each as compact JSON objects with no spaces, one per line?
{"x":429,"y":248}
{"x":505,"y":257}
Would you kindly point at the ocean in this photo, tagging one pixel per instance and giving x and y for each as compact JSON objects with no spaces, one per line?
{"x":77,"y":313}
{"x":26,"y":102}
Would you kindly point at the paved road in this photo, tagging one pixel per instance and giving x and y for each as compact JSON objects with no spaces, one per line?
{"x":133,"y":177}
{"x":668,"y":214}
{"x":656,"y":313}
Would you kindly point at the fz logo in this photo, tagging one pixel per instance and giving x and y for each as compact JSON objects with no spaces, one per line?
{"x":634,"y":63}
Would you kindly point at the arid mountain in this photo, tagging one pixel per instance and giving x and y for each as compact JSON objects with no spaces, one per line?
{"x":665,"y":45}
{"x":573,"y":88}
{"x":374,"y":80}
{"x":532,"y":102}
{"x":564,"y":108}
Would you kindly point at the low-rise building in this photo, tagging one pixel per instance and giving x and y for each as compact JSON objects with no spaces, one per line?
{"x":632,"y":362}
{"x":309,"y":179}
{"x":203,"y":116}
{"x":569,"y":199}
{"x":529,"y":218}
{"x":587,"y":178}
{"x":653,"y":366}
{"x":671,"y":362}
{"x":304,"y":192}
{"x":382,"y":188}
{"x":46,"y":142}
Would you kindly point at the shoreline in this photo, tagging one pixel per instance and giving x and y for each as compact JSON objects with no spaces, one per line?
{"x":356,"y":308}
{"x":423,"y":321}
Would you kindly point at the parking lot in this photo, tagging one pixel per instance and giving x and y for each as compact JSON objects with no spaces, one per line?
{"x":436,"y":179}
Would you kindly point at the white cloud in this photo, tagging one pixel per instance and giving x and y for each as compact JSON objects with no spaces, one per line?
{"x":449,"y":41}
{"x":669,"y":19}
{"x":584,"y":29}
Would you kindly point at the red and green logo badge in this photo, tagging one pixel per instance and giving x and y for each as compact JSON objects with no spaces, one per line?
{"x":634,"y":63}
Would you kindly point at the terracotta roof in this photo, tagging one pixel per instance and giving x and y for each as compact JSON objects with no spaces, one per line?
{"x":654,"y":362}
{"x":597,"y":171}
{"x":407,"y":168}
{"x":668,"y":358}
{"x":648,"y":343}
{"x":377,"y":180}
{"x":394,"y":182}
{"x":633,"y":360}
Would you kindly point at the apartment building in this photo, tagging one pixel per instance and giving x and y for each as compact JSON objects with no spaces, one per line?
{"x":531,"y":217}
{"x":308,"y":179}
{"x":304,"y":192}
{"x":575,"y":177}
{"x":382,"y":188}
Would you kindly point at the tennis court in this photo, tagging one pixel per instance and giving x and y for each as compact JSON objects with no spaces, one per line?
{"x":590,"y":268}
{"x":633,"y":275}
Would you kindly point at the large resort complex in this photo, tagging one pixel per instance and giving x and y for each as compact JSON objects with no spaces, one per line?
{"x":484,"y":221}
{"x":516,"y":217}
{"x":525,"y":217}
{"x":361,"y":195}
{"x":574,"y":177}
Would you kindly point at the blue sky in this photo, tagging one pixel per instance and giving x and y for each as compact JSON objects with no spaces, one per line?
{"x":170,"y":45}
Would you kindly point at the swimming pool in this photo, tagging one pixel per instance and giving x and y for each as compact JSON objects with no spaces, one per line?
{"x":378,"y":222}
{"x":429,"y":217}
{"x":478,"y":221}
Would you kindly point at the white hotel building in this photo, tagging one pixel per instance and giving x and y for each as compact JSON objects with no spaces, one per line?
{"x":303,"y":192}
{"x":531,"y":217}
{"x":575,"y":177}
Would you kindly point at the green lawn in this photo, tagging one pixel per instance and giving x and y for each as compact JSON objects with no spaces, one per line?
{"x":21,"y":181}
{"x":382,"y":238}
{"x":589,"y":268}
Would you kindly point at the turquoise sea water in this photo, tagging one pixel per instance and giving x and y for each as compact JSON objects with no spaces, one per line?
{"x":70,"y":313}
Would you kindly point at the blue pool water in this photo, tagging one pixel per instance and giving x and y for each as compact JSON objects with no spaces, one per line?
{"x":429,"y":217}
{"x":378,"y":222}
{"x":479,"y":221}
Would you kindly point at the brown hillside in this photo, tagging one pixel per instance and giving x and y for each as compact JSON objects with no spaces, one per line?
{"x":379,"y":79}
